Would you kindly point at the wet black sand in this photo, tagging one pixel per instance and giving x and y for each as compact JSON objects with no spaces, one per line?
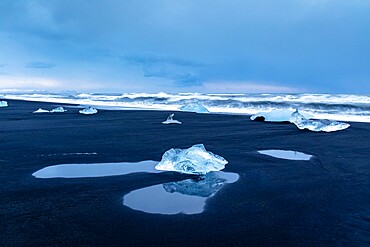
{"x":321,"y":202}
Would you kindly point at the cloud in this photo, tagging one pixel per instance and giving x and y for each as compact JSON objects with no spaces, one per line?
{"x":182,"y":72}
{"x":313,"y":45}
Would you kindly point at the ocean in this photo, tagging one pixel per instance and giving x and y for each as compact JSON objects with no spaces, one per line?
{"x":342,"y":107}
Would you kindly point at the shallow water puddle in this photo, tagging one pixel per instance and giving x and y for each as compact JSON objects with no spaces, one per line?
{"x":96,"y":170}
{"x":188,"y":196}
{"x":286,"y":154}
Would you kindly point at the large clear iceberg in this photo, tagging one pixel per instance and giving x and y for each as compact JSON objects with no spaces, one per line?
{"x":276,"y":116}
{"x":316,"y":125}
{"x":194,"y":160}
{"x":3,"y":104}
{"x":88,"y":111}
{"x":58,"y":109}
{"x":170,"y":120}
{"x":194,"y":107}
{"x":40,"y":110}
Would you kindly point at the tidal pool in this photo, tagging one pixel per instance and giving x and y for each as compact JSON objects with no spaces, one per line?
{"x":96,"y":170}
{"x":187,"y":196}
{"x":286,"y":154}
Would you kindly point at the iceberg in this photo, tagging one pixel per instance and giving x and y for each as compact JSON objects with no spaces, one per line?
{"x":316,"y":125}
{"x":276,"y":116}
{"x":58,"y":109}
{"x":194,"y":107}
{"x":40,"y":110}
{"x":194,"y":160}
{"x":88,"y":111}
{"x":170,"y":120}
{"x":3,"y":104}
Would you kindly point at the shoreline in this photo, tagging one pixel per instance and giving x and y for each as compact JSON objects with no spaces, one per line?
{"x":111,"y":107}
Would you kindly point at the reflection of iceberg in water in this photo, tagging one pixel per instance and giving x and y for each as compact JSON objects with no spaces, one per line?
{"x":188,"y":196}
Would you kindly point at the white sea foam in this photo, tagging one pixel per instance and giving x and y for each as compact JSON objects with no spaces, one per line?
{"x":341,"y":107}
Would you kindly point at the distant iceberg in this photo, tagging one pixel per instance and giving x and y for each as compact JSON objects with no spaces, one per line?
{"x":170,"y":120}
{"x":40,"y":110}
{"x":194,"y":160}
{"x":316,"y":125}
{"x":58,"y":109}
{"x":276,"y":116}
{"x":3,"y":104}
{"x":88,"y":111}
{"x":194,"y":107}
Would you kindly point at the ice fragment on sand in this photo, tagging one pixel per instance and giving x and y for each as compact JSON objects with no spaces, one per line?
{"x":194,"y":160}
{"x":316,"y":125}
{"x":3,"y":104}
{"x":40,"y":110}
{"x":194,"y":107}
{"x":58,"y":109}
{"x":170,"y":120}
{"x":88,"y":111}
{"x":276,"y":116}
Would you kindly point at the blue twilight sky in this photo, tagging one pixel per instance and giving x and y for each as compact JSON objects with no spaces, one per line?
{"x":186,"y":45}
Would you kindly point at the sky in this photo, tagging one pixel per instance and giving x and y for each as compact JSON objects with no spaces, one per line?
{"x":207,"y":46}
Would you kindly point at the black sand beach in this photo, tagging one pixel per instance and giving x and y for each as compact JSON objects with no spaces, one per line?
{"x":321,"y":202}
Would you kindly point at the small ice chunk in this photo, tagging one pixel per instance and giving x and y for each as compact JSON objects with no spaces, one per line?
{"x":40,"y":110}
{"x":194,"y":160}
{"x":194,"y":107}
{"x":170,"y":120}
{"x":3,"y":104}
{"x":58,"y":109}
{"x":88,"y":111}
{"x":316,"y":125}
{"x":276,"y":116}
